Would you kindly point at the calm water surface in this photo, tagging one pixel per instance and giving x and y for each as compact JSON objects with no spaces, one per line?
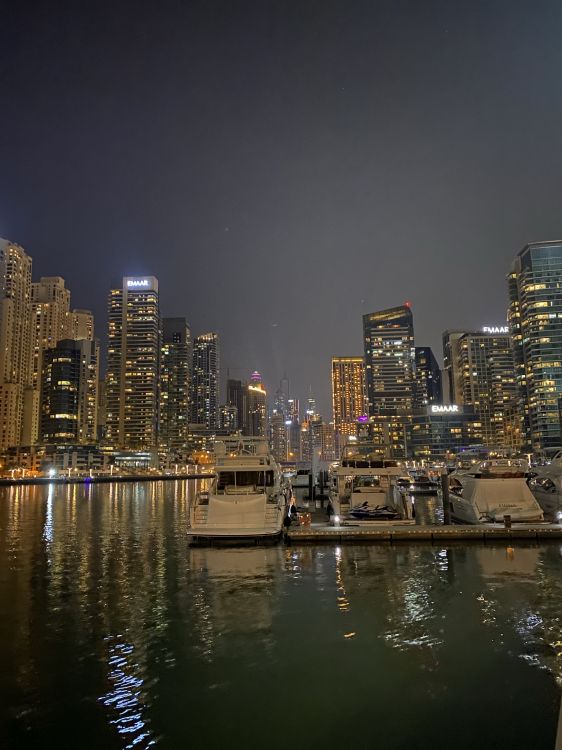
{"x":115,"y":634}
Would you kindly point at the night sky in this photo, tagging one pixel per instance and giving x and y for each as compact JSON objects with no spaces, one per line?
{"x":284,"y":167}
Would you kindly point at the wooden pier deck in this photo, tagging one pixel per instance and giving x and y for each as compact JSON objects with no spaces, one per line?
{"x":383,"y":533}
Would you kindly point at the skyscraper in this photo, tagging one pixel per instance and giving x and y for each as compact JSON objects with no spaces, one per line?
{"x":348,"y":393}
{"x":69,"y":398}
{"x":15,"y":339}
{"x":175,"y":382}
{"x":205,"y":381}
{"x":389,"y":375}
{"x":427,"y":378}
{"x":133,"y":355}
{"x":535,"y":319}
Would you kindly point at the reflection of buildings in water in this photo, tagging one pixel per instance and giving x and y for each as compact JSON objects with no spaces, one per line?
{"x":526,"y":582}
{"x":233,"y":590}
{"x":402,"y":583}
{"x":97,"y":563}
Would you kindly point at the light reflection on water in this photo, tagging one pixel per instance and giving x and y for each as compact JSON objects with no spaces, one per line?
{"x":116,"y":632}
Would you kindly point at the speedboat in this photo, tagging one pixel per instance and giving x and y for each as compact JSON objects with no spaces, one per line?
{"x":368,"y":512}
{"x":546,"y":486}
{"x":490,"y":490}
{"x":247,"y":498}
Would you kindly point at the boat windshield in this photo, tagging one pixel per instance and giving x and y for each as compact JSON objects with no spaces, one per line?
{"x":244,"y":479}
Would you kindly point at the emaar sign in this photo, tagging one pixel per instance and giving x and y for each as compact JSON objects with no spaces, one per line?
{"x":495,"y":329}
{"x":138,"y":283}
{"x":444,"y":409}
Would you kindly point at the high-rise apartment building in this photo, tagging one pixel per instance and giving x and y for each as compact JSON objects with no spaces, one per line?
{"x":427,"y":378}
{"x":69,"y":392}
{"x":205,"y":381}
{"x":389,"y":375}
{"x":535,"y":319}
{"x":348,"y":393}
{"x":480,"y":367}
{"x":175,"y":381}
{"x":487,"y":378}
{"x":15,"y":340}
{"x":50,"y":303}
{"x":79,"y":325}
{"x":133,"y":364}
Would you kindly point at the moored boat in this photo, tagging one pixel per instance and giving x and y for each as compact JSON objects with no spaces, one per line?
{"x":490,"y":490}
{"x":248,"y":497}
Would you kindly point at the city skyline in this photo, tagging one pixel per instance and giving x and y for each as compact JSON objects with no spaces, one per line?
{"x":342,"y":151}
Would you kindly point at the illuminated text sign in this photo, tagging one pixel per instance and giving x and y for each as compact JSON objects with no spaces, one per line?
{"x":495,"y":329}
{"x":445,"y":409}
{"x":138,"y":283}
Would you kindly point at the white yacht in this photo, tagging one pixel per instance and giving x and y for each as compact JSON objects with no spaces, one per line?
{"x":490,"y":490}
{"x":546,"y":486}
{"x":247,"y":498}
{"x":363,"y":486}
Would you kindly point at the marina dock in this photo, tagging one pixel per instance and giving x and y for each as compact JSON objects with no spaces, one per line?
{"x":382,"y":533}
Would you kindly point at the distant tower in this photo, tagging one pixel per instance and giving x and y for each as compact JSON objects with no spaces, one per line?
{"x":133,"y":355}
{"x":205,"y":381}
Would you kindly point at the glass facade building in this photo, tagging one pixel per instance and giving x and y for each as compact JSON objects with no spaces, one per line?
{"x":535,"y":319}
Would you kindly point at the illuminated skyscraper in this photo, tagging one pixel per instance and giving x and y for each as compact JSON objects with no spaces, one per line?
{"x":15,"y":340}
{"x":175,"y":383}
{"x":205,"y":381}
{"x":133,"y":355}
{"x":348,"y":393}
{"x":389,"y":375}
{"x":535,"y":319}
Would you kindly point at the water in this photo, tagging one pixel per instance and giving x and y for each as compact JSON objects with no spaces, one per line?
{"x":115,"y":634}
